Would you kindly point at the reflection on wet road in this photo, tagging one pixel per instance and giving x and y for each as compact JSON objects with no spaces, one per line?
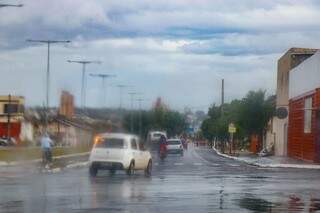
{"x":200,"y":181}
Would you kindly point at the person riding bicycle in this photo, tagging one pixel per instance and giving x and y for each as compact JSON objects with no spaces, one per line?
{"x":46,"y":148}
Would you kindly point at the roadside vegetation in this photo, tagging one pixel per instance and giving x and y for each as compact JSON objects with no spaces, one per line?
{"x":32,"y":153}
{"x":159,"y":118}
{"x":250,"y":115}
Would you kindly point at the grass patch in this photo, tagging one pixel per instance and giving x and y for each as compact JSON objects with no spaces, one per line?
{"x":31,"y":153}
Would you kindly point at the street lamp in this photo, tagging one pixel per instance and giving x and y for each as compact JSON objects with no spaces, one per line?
{"x":83,"y":81}
{"x":140,"y":100}
{"x":48,"y":42}
{"x":103,"y":77}
{"x":132,"y":94}
{"x":121,"y":87}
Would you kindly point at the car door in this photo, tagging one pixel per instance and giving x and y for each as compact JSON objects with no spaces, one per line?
{"x":143,"y":156}
{"x":135,"y":152}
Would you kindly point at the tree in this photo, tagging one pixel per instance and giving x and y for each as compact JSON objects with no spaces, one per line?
{"x":255,"y":112}
{"x":159,"y":118}
{"x":250,"y":116}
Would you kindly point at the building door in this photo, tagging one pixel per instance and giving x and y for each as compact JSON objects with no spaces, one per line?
{"x":317,"y":146}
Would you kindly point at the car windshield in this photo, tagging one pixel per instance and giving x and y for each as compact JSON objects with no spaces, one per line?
{"x":174,"y":142}
{"x":111,"y":143}
{"x":204,"y":106}
{"x":157,"y":135}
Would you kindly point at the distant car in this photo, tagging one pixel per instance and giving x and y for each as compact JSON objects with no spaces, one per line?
{"x":153,"y":139}
{"x":155,"y":135}
{"x":175,"y":146}
{"x":115,"y":151}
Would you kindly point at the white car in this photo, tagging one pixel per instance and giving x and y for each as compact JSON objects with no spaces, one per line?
{"x":155,"y":135}
{"x":115,"y":151}
{"x":175,"y":146}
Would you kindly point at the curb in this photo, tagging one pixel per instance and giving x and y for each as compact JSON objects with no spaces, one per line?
{"x":17,"y":163}
{"x":278,"y":165}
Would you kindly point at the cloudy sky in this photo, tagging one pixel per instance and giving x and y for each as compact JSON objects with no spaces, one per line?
{"x":176,"y":49}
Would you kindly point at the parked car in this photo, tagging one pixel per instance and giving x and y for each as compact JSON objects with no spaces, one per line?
{"x":115,"y":151}
{"x":7,"y":142}
{"x":175,"y":146}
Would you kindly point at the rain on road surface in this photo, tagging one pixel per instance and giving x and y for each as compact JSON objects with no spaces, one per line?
{"x":200,"y":181}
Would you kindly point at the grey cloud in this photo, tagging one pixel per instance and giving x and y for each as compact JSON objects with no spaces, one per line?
{"x":252,"y":44}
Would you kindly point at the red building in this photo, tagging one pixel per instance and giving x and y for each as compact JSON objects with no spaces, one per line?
{"x":304,"y":110}
{"x":11,"y":115}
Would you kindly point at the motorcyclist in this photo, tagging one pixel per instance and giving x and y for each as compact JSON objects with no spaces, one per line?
{"x":162,"y":145}
{"x":184,"y":142}
{"x":46,"y":148}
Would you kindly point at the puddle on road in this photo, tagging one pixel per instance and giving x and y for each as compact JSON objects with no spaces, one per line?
{"x":12,"y":206}
{"x":292,"y":204}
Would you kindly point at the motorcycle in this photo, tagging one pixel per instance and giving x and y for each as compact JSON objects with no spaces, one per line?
{"x":163,"y":151}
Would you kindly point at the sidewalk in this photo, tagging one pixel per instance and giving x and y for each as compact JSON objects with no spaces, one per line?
{"x":270,"y":161}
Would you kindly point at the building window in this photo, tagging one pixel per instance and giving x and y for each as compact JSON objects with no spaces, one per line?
{"x":307,"y":115}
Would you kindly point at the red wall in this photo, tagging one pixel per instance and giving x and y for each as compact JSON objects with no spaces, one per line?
{"x":302,"y":145}
{"x":15,"y":129}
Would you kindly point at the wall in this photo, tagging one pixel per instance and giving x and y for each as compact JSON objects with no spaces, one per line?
{"x":305,"y":77}
{"x":26,"y":133}
{"x":301,"y":145}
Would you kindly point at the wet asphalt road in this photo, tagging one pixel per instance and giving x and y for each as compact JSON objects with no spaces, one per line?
{"x":200,"y":181}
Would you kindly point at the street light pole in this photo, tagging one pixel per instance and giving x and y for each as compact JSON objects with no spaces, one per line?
{"x":222,"y":95}
{"x":132,"y":94}
{"x":48,"y":42}
{"x":140,"y":115}
{"x":121,"y":87}
{"x":83,"y":80}
{"x":104,"y":88}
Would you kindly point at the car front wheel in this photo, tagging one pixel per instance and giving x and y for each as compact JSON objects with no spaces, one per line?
{"x":148,"y":169}
{"x":130,"y":170}
{"x":93,"y":171}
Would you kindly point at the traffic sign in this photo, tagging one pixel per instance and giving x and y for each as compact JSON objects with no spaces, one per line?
{"x":232,"y":128}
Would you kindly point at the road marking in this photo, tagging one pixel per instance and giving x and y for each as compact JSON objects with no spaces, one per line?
{"x":55,"y":170}
{"x":78,"y":164}
{"x":233,"y":165}
{"x":178,"y":164}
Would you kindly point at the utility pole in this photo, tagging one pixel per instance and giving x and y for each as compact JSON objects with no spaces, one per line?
{"x":83,"y":80}
{"x":222,"y":95}
{"x":104,"y":87}
{"x":48,"y":43}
